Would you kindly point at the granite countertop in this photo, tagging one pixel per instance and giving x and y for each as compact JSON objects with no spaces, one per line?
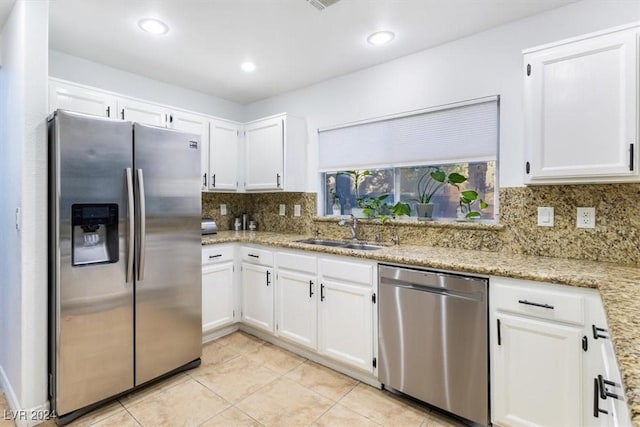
{"x":619,"y":286}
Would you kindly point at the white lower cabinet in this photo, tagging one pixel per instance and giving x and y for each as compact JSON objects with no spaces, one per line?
{"x":257,"y":290}
{"x":298,"y":308}
{"x":219,"y":294}
{"x":346,"y":311}
{"x":537,"y":372}
{"x":550,"y":357}
{"x":345,"y":323}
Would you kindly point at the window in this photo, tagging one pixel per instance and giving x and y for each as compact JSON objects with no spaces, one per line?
{"x":400,"y":184}
{"x":396,"y":151}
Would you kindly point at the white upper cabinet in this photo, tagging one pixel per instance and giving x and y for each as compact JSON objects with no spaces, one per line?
{"x":275,"y":154}
{"x":581,"y":110}
{"x":223,"y":155}
{"x":199,"y":125}
{"x":83,"y":100}
{"x":142,"y":112}
{"x":264,"y":150}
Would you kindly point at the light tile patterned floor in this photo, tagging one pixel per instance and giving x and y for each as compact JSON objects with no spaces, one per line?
{"x":244,"y":381}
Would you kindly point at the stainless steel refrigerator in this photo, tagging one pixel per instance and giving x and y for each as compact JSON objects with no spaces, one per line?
{"x":125,"y":249}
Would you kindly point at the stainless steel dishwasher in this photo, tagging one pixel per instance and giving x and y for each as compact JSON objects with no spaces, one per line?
{"x":433,"y":339}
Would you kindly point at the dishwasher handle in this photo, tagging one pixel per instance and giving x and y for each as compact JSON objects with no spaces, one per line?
{"x":472,"y":296}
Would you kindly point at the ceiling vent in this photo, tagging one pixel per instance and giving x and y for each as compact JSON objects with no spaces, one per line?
{"x":322,"y":4}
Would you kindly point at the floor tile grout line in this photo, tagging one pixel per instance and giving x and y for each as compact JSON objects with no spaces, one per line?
{"x":234,"y":406}
{"x":133,"y":416}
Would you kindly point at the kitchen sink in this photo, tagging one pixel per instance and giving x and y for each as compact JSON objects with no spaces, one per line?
{"x":341,"y":244}
{"x":321,"y":242}
{"x":362,"y":246}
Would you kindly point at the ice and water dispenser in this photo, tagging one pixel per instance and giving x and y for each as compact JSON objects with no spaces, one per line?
{"x":95,"y":233}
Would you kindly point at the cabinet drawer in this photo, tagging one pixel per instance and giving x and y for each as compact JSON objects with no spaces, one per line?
{"x":257,"y":256}
{"x":215,"y":254}
{"x":349,"y":271}
{"x":298,"y":262}
{"x":537,"y":300}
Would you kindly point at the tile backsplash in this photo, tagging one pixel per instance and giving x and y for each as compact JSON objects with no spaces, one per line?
{"x":615,"y":238}
{"x":264,"y":209}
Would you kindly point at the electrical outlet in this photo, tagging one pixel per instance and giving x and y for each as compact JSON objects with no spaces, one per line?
{"x":296,"y":210}
{"x":283,"y":210}
{"x":586,"y":218}
{"x":545,"y":217}
{"x":223,"y":209}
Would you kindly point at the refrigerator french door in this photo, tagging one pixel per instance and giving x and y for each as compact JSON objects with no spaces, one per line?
{"x":124,"y":245}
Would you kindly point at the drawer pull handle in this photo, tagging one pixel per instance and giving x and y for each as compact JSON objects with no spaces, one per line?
{"x":310,"y":288}
{"x":535,"y":304}
{"x":253,"y":256}
{"x":268,"y":277}
{"x":596,"y":400}
{"x":215,"y":256}
{"x":597,"y":334}
{"x":604,"y":393}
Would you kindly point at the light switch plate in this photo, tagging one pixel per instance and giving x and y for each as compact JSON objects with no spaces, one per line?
{"x":586,"y":218}
{"x":545,"y":216}
{"x":283,"y":210}
{"x":223,"y":209}
{"x":296,"y":210}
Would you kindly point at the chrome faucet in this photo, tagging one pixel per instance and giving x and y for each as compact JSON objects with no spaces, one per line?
{"x":353,"y":225}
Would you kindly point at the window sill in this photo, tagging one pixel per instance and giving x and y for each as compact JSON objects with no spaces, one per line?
{"x":481,"y":224}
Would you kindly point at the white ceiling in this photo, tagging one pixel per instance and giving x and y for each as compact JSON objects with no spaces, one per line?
{"x":5,"y":9}
{"x":292,"y":43}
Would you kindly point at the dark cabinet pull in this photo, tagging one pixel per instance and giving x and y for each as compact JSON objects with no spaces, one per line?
{"x":278,"y":180}
{"x":108,"y":111}
{"x":596,"y":399}
{"x":596,"y":332}
{"x":122,"y":114}
{"x":499,"y":333}
{"x":204,"y":180}
{"x":527,"y":167}
{"x":321,"y":292}
{"x":631,"y":159}
{"x":253,"y":256}
{"x":215,"y":256}
{"x":535,"y":304}
{"x":585,"y":343}
{"x":604,"y":393}
{"x":310,"y":288}
{"x":214,"y":180}
{"x":528,"y":69}
{"x":268,"y":277}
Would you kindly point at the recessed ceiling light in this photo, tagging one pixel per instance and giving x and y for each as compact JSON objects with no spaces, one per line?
{"x":381,"y":37}
{"x":153,"y":26}
{"x":248,"y":67}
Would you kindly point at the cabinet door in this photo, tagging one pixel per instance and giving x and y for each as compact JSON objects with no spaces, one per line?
{"x":224,"y":156}
{"x":257,"y":296}
{"x":537,"y":370}
{"x":217,"y":296}
{"x":81,"y":100}
{"x":142,"y":112}
{"x":345,"y":323}
{"x":198,"y":125}
{"x":297,"y":308}
{"x":264,"y":145}
{"x":581,"y":110}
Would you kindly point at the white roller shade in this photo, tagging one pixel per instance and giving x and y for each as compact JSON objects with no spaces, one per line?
{"x":458,"y":133}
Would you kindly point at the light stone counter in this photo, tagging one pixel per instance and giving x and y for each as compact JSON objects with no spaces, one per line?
{"x":619,"y":286}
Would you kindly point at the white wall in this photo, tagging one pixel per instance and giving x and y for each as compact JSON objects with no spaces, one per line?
{"x":83,"y":71}
{"x":23,"y":253}
{"x":489,"y":63}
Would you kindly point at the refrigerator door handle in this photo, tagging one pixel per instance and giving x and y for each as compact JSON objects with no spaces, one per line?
{"x":131,"y":223}
{"x":143,"y":225}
